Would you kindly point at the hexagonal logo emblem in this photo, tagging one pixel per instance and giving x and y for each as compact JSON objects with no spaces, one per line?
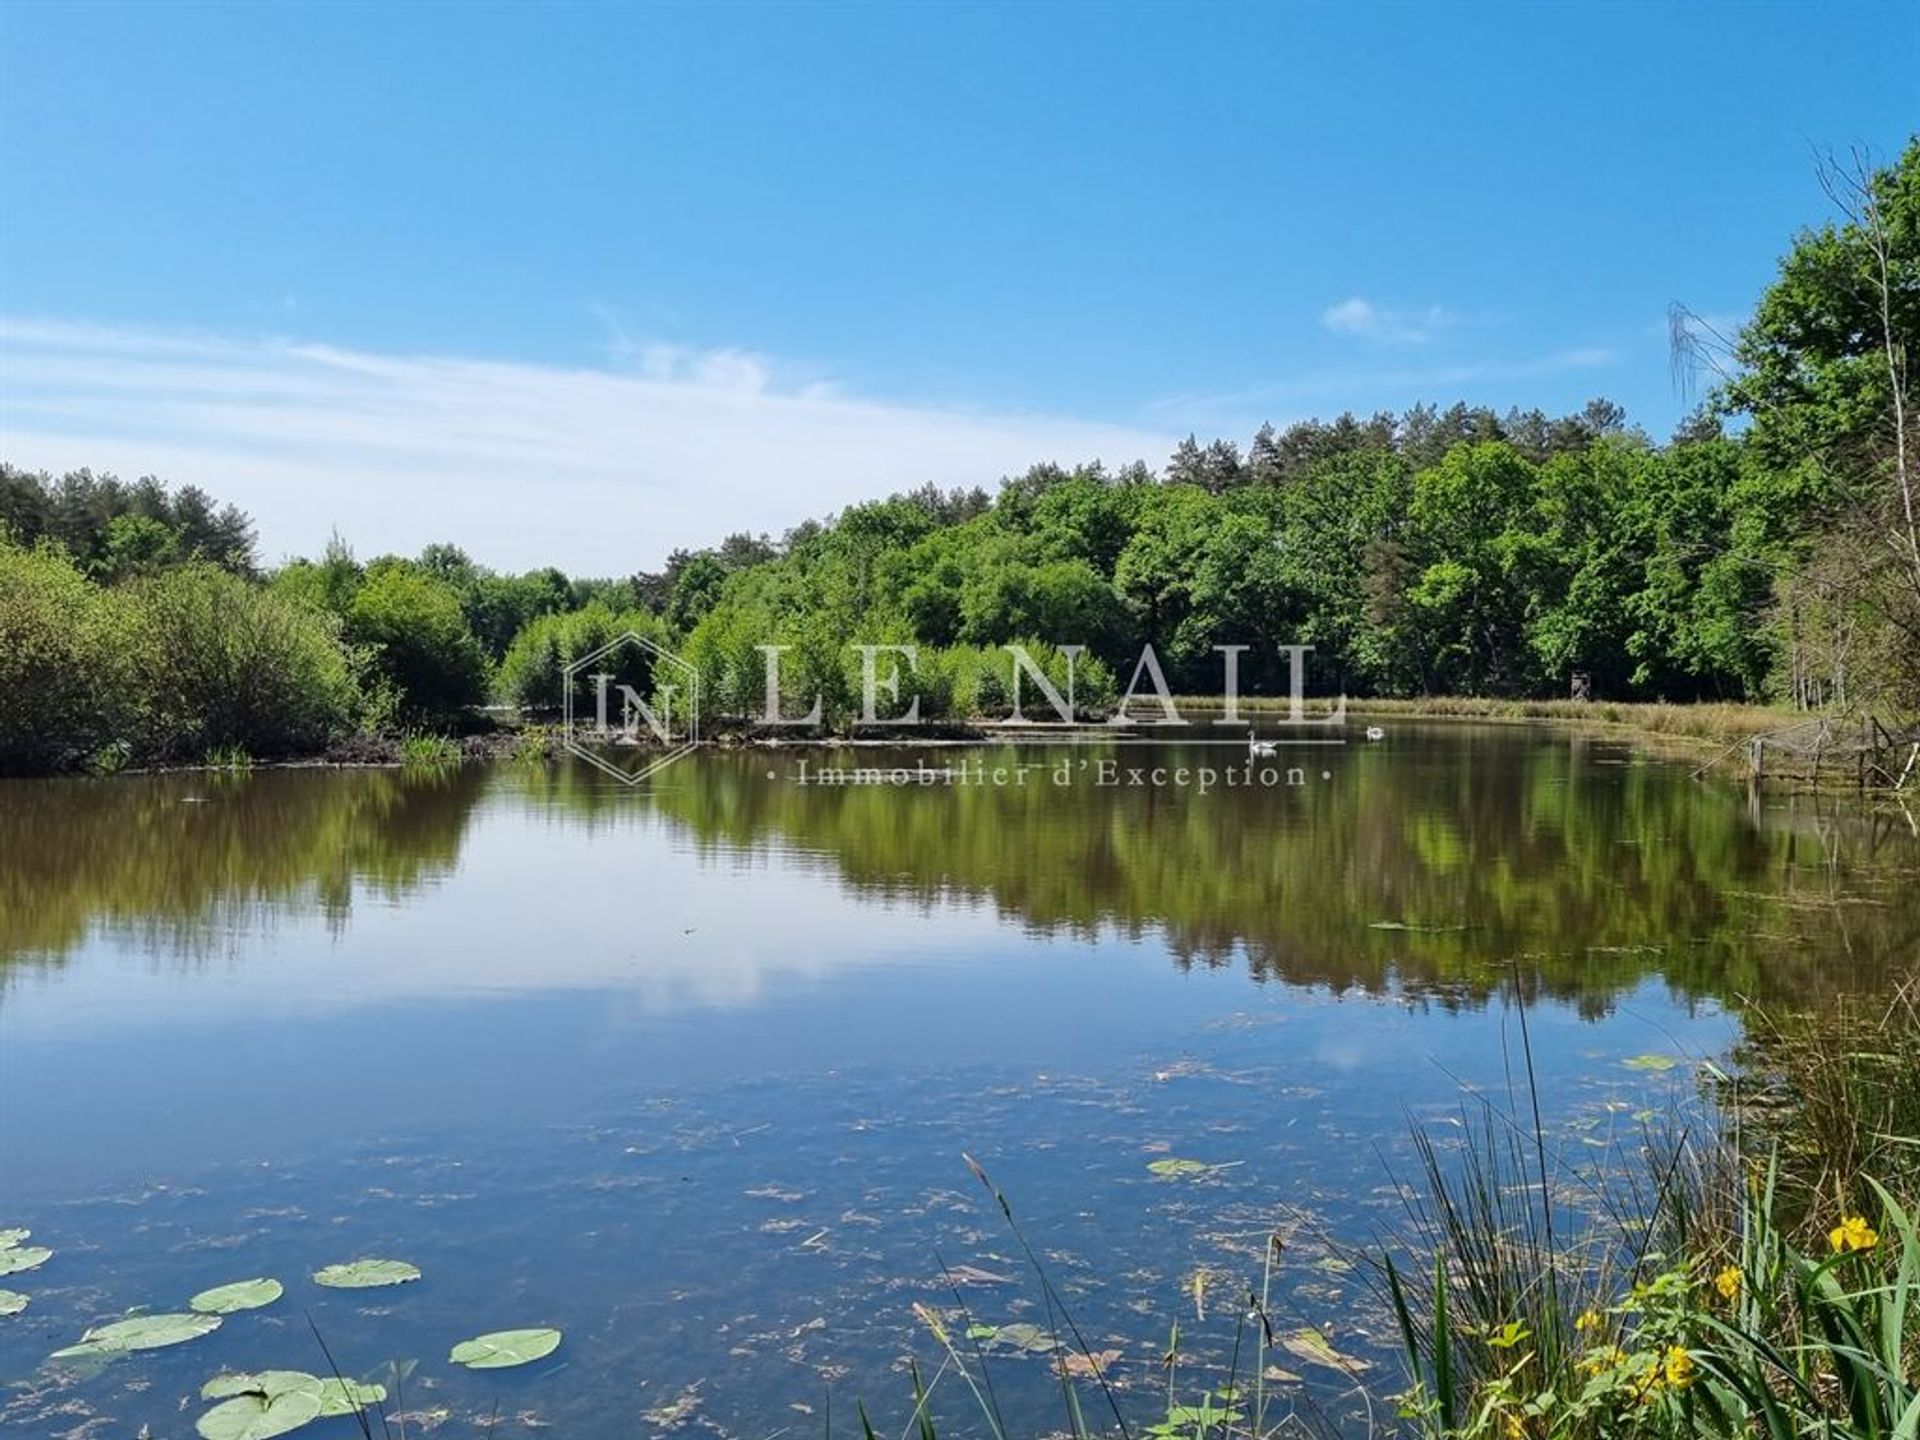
{"x":630,"y":708}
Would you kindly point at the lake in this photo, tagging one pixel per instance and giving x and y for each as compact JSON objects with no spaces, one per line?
{"x":688,"y":1070}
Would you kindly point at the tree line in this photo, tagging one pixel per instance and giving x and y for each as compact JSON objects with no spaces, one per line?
{"x":1767,"y":550}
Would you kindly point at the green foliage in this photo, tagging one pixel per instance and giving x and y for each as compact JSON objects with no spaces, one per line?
{"x":220,"y":662}
{"x":1813,"y":375}
{"x":532,"y":675}
{"x":417,"y":634}
{"x":1760,"y":1283}
{"x":64,"y":662}
{"x":111,"y":528}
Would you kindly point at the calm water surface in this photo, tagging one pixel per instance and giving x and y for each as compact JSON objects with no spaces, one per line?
{"x":688,"y":1071}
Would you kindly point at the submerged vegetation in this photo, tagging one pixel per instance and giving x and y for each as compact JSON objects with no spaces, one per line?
{"x":1766,"y":552}
{"x":1723,"y":1281}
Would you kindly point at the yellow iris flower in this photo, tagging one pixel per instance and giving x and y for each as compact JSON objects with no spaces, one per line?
{"x":1853,"y":1233}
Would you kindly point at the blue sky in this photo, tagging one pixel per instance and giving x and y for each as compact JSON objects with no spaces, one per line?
{"x":688,"y":270}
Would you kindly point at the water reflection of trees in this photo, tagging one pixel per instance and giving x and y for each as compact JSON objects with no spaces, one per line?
{"x":174,"y":863}
{"x":1445,"y":865}
{"x":1504,"y":856}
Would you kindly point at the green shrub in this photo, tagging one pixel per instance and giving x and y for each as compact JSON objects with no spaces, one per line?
{"x":418,"y":637}
{"x":63,"y":662}
{"x":532,"y":673}
{"x":723,"y":648}
{"x":991,"y":672}
{"x":221,"y":664}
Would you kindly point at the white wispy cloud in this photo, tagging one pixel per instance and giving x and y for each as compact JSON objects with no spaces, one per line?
{"x":1333,"y":389}
{"x":598,"y":470}
{"x":1364,"y":320}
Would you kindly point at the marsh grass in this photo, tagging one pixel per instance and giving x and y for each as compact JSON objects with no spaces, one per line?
{"x":1705,"y":721}
{"x":420,"y":750}
{"x":1835,"y":1092}
{"x":1760,"y":1278}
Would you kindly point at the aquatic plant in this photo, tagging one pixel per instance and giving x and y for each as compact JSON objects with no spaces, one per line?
{"x":362,"y":1274}
{"x":419,"y":750}
{"x":505,"y":1348}
{"x":1699,"y":1295}
{"x":241,"y":1295}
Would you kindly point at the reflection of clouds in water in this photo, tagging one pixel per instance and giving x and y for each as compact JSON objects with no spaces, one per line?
{"x":629,"y":909}
{"x":1343,"y":1055}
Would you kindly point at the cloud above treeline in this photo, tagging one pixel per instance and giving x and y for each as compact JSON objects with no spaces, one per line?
{"x":1364,"y":320}
{"x":599,"y":471}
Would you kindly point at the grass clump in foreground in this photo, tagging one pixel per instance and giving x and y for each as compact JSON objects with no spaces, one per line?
{"x":1764,"y":1281}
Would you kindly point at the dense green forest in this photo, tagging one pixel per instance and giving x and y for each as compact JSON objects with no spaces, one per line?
{"x":1767,"y":550}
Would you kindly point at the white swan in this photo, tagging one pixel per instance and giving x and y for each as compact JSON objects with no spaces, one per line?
{"x":1260,"y":747}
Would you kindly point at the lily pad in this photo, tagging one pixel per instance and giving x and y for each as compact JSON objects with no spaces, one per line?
{"x":505,"y":1347}
{"x":1311,"y":1346}
{"x":17,"y":1258}
{"x":1651,"y":1062}
{"x":1180,"y":1169}
{"x":149,"y":1332}
{"x":260,"y":1417}
{"x":241,"y":1295}
{"x":11,"y":1238}
{"x":12,"y":1302}
{"x":348,"y":1397}
{"x":257,"y":1382}
{"x":363,"y":1274}
{"x":86,"y":1350}
{"x":1022,"y":1335}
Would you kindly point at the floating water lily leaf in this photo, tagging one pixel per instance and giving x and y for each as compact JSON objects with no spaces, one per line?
{"x":505,"y":1347}
{"x":11,"y":1238}
{"x":267,"y":1383}
{"x":241,"y":1295}
{"x":17,"y":1258}
{"x":348,"y":1397}
{"x":1313,"y":1347}
{"x":260,"y":1417}
{"x":12,"y":1302}
{"x":150,"y":1332}
{"x":1650,"y":1062}
{"x":360,"y":1274}
{"x":1175,"y":1169}
{"x":1024,"y":1336}
{"x":86,"y":1350}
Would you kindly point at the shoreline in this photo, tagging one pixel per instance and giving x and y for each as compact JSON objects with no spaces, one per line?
{"x":1717,"y":733}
